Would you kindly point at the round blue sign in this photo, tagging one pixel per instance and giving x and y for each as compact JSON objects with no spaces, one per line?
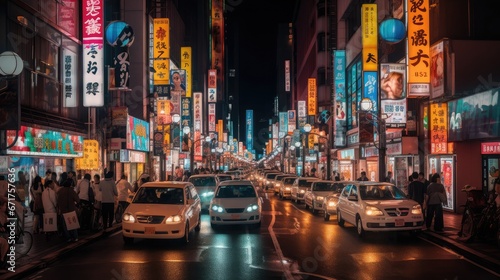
{"x":119,"y":34}
{"x":392,"y":30}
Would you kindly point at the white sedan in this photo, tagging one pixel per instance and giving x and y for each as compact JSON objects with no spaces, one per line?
{"x":315,"y":196}
{"x":235,"y":203}
{"x":162,"y":210}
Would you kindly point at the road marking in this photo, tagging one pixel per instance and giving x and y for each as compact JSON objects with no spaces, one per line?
{"x":277,"y":247}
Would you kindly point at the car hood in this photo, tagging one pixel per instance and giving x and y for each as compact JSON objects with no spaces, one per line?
{"x":235,"y":202}
{"x":394,"y":203}
{"x":155,"y":209}
{"x":321,"y":193}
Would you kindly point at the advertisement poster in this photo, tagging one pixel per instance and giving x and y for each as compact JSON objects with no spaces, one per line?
{"x":402,"y":175}
{"x":447,"y":178}
{"x":393,"y":93}
{"x":137,"y":134}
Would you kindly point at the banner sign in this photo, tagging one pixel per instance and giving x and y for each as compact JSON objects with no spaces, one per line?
{"x":90,"y":159}
{"x":212,"y":85}
{"x":287,"y":75}
{"x":249,"y":129}
{"x":418,"y":55}
{"x":137,"y":134}
{"x":393,"y":94}
{"x":197,"y":111}
{"x":292,"y":121}
{"x":186,"y":65}
{"x":42,"y":142}
{"x":93,"y":53}
{"x":369,"y":37}
{"x":439,"y":128}
{"x":211,"y":117}
{"x":339,"y":69}
{"x":161,"y":51}
{"x":218,"y":44}
{"x":312,"y":96}
{"x":69,"y":79}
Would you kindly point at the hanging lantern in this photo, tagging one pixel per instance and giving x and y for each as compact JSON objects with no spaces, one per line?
{"x":392,"y":30}
{"x":119,"y":34}
{"x":11,"y":64}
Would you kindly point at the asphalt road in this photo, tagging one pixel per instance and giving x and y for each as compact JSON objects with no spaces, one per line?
{"x":291,"y":244}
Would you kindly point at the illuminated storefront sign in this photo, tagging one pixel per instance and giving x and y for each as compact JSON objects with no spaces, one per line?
{"x":186,"y":64}
{"x":212,"y":85}
{"x":439,"y":128}
{"x":218,"y":43}
{"x":418,"y":57}
{"x":249,"y":129}
{"x":340,"y":97}
{"x":69,"y":78}
{"x":211,"y":117}
{"x":161,"y":51}
{"x":490,"y":148}
{"x":312,"y":96}
{"x":369,"y":36}
{"x":42,"y":142}
{"x":137,"y":134}
{"x":93,"y":53}
{"x":90,"y":159}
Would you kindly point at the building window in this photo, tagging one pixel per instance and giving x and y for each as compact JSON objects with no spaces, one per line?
{"x":321,"y":76}
{"x":320,"y":41}
{"x":353,"y":92}
{"x":352,"y":17}
{"x":321,"y":8}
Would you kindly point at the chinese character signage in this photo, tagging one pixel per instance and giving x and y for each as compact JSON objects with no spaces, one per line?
{"x":393,"y":94}
{"x":42,"y":142}
{"x":163,"y":111}
{"x":292,"y":121}
{"x":90,"y":159}
{"x":301,"y":114}
{"x":137,"y":134}
{"x":249,"y":129}
{"x":283,"y":120}
{"x":418,"y":57}
{"x":198,"y":146}
{"x":93,"y":53}
{"x":69,"y":78}
{"x":287,"y":75}
{"x":211,"y":117}
{"x":186,"y":64}
{"x":212,"y":85}
{"x":439,"y":128}
{"x":312,"y":96}
{"x":186,"y":112}
{"x":339,"y":96}
{"x":218,"y":43}
{"x":490,"y":148}
{"x":197,"y":111}
{"x":369,"y":36}
{"x":161,"y":51}
{"x":370,"y":88}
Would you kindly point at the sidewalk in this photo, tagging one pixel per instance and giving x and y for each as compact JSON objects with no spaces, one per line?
{"x":485,"y":253}
{"x":48,"y":249}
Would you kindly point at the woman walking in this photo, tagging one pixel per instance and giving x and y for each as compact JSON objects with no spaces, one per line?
{"x":436,"y":196}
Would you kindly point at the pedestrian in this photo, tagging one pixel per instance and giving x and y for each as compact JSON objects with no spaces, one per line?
{"x":363,"y":176}
{"x":389,"y":178}
{"x":63,"y":178}
{"x":83,"y":189}
{"x":66,"y":202}
{"x":124,"y":189}
{"x":72,"y":177}
{"x":109,"y":193}
{"x":436,"y":196}
{"x":179,"y":172}
{"x":417,"y":191}
{"x":49,"y":199}
{"x":421,"y":178}
{"x":313,"y":172}
{"x":98,"y":197}
{"x":37,"y":204}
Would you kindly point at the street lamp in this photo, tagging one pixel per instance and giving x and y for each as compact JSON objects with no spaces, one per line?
{"x":11,"y":65}
{"x":366,"y":106}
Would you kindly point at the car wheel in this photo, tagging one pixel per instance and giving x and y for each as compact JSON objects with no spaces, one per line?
{"x":128,"y":240}
{"x":314,"y":210}
{"x":340,"y":221}
{"x":198,"y":226}
{"x":185,"y":239}
{"x":359,"y":227}
{"x":327,"y":216}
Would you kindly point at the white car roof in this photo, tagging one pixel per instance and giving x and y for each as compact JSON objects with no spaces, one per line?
{"x":166,"y":184}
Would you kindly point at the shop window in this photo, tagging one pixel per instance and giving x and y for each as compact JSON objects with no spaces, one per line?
{"x":320,"y":42}
{"x":47,"y":60}
{"x":353,"y":92}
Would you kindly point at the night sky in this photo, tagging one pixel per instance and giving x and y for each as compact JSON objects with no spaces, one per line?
{"x":258,"y":23}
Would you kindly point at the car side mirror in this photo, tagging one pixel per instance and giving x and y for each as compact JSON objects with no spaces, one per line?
{"x":353,"y":197}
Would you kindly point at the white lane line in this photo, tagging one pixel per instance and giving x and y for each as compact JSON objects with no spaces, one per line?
{"x":277,"y":247}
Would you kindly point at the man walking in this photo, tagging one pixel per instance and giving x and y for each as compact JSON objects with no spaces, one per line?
{"x":363,"y":177}
{"x":108,"y":193}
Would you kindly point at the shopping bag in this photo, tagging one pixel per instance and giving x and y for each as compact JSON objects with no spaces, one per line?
{"x":49,"y":222}
{"x":71,"y":220}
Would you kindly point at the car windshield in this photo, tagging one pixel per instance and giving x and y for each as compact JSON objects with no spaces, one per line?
{"x":271,"y":176}
{"x":305,"y":183}
{"x":225,"y":178}
{"x":159,"y":195}
{"x":289,"y":180}
{"x":328,"y":187}
{"x":380,"y":192}
{"x":235,"y":191}
{"x":202,"y":181}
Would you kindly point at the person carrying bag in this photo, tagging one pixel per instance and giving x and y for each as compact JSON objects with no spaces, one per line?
{"x":436,"y":197}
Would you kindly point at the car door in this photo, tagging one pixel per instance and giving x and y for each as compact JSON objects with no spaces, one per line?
{"x":308,"y":195}
{"x":351,"y":205}
{"x":343,"y":201}
{"x":191,"y":211}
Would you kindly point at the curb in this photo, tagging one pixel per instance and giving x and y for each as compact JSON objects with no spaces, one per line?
{"x":469,"y":253}
{"x":45,"y":260}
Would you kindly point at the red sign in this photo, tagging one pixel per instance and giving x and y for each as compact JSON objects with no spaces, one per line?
{"x":490,"y":148}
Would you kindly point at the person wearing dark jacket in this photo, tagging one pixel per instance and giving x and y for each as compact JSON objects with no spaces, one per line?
{"x":417,"y":190}
{"x":66,"y":202}
{"x":436,"y":196}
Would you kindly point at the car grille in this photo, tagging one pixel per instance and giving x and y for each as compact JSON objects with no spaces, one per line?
{"x":150,"y":219}
{"x":235,"y":210}
{"x":397,"y":212}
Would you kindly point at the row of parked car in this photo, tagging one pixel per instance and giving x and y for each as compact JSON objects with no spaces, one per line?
{"x":171,"y":210}
{"x":369,"y":206}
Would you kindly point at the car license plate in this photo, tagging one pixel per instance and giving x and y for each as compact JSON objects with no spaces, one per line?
{"x":149,"y":230}
{"x":234,"y":216}
{"x":400,"y":222}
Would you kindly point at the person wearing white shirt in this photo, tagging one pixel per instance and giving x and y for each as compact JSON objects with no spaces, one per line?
{"x":82,"y":189}
{"x":49,"y":200}
{"x":124,"y":188}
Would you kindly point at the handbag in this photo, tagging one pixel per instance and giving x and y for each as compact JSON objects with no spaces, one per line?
{"x":49,"y":222}
{"x":71,"y":220}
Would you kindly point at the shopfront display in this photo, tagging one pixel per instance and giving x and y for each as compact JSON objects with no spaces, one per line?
{"x":490,"y":152}
{"x":444,"y":165}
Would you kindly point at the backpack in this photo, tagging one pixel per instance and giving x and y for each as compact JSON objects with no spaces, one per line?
{"x":91,"y":194}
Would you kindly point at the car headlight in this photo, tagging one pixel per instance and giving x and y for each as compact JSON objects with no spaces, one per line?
{"x":217,"y":208}
{"x":277,"y":184}
{"x":173,"y":219}
{"x":332,"y":203}
{"x":127,"y":217}
{"x":287,"y":188}
{"x":205,"y":194}
{"x":373,"y":211}
{"x":267,"y":182}
{"x":320,"y":197}
{"x":252,"y":207}
{"x":416,"y":209}
{"x":302,"y":191}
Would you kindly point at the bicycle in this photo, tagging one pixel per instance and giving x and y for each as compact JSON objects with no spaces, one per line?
{"x":473,"y":207}
{"x":23,"y":239}
{"x":487,"y":225}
